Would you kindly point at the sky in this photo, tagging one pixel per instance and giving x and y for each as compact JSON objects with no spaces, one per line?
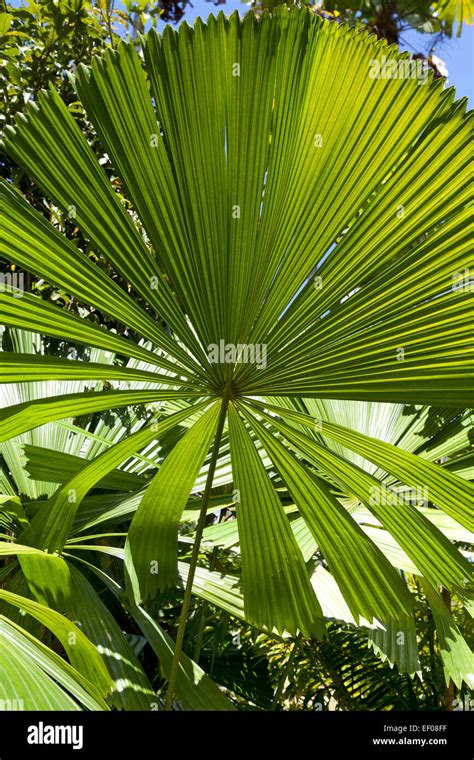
{"x":458,"y":54}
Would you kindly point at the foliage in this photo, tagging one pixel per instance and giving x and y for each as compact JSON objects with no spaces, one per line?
{"x":388,"y":19}
{"x":337,"y":504}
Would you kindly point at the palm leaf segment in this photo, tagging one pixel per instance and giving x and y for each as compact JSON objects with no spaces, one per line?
{"x":455,"y":11}
{"x":285,"y":202}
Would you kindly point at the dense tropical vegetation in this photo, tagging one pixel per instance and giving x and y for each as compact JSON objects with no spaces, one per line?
{"x":237,"y":377}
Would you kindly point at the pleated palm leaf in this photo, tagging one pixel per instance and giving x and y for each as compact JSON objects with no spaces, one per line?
{"x":394,"y":423}
{"x":302,"y":233}
{"x":57,"y":443}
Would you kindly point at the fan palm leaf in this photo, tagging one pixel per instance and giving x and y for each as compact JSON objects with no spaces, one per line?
{"x":293,"y":211}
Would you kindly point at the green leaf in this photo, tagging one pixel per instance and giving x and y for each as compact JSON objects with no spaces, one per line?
{"x":218,"y":589}
{"x":132,"y":689}
{"x":458,"y":659}
{"x":52,"y":524}
{"x":30,"y":677}
{"x":331,"y":238}
{"x":152,"y":542}
{"x":370,"y":585}
{"x":116,"y":96}
{"x":5,"y":22}
{"x":459,"y":11}
{"x":23,"y":674}
{"x":11,"y":548}
{"x":33,"y":313}
{"x":30,"y":414}
{"x":435,"y":556}
{"x":59,"y":261}
{"x":448,"y":491}
{"x":81,"y":652}
{"x":372,"y":232}
{"x":397,"y":643}
{"x":20,"y":369}
{"x":49,"y":579}
{"x":12,"y":514}
{"x":194,"y":689}
{"x":275,"y":582}
{"x":56,"y":467}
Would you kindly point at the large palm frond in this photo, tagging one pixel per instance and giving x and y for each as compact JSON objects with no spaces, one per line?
{"x":293,"y":211}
